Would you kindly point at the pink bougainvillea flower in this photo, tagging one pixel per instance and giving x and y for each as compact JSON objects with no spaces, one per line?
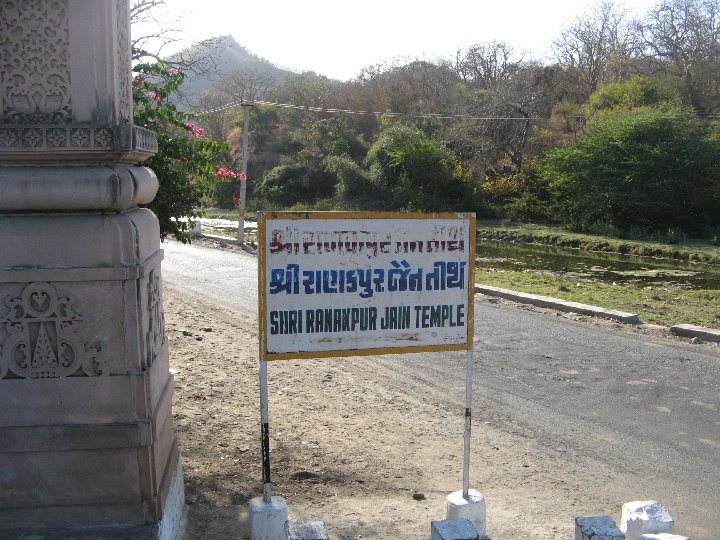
{"x":227,"y":174}
{"x":196,"y":130}
{"x":153,"y":95}
{"x":236,"y":201}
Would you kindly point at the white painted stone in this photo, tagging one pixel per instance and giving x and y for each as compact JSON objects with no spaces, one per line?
{"x":114,"y":186}
{"x":596,"y":528}
{"x":305,"y":530}
{"x":639,"y":517}
{"x":453,"y":529}
{"x":172,"y":525}
{"x":267,"y":519}
{"x":472,"y":509}
{"x":663,"y":536}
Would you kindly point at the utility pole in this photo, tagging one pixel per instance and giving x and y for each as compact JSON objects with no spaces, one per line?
{"x":243,"y":184}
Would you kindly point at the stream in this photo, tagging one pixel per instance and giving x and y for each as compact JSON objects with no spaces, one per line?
{"x":597,"y":266}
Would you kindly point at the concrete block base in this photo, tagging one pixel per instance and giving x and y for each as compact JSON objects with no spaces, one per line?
{"x":663,"y":536}
{"x":597,"y":528}
{"x":640,"y":517}
{"x":471,"y":508}
{"x":267,"y":519}
{"x":306,"y":530}
{"x":453,"y":529}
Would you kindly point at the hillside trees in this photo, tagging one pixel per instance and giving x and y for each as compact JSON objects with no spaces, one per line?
{"x":493,"y":129}
{"x":504,"y":96}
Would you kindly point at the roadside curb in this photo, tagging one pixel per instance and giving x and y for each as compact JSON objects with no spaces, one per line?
{"x":560,"y":305}
{"x":227,"y":240}
{"x":689,"y":330}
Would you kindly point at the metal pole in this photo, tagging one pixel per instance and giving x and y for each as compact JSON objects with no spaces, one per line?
{"x":243,"y":184}
{"x":265,"y":429}
{"x":468,"y":421}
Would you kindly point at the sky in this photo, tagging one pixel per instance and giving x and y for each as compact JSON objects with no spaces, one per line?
{"x":338,"y":38}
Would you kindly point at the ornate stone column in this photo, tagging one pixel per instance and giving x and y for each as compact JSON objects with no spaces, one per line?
{"x":86,"y":435}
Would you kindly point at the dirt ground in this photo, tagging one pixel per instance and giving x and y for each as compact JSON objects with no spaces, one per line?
{"x":352,"y":444}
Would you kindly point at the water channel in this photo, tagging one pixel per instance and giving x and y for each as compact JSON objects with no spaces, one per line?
{"x":597,"y":266}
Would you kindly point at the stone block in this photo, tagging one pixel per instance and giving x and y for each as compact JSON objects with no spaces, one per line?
{"x":267,"y":519}
{"x":663,"y":536}
{"x":640,"y":517}
{"x":305,"y":530}
{"x":597,"y":528}
{"x":471,"y":508}
{"x":453,"y":529}
{"x":110,"y":187}
{"x":78,"y":241}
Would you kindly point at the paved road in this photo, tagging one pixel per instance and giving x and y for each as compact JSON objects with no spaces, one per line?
{"x":644,"y":404}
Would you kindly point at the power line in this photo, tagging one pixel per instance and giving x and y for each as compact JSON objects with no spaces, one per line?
{"x":439,"y":116}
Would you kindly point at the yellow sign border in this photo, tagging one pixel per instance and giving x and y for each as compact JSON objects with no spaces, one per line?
{"x":263,"y":217}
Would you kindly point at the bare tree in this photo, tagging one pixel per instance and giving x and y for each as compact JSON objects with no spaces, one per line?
{"x":144,"y":13}
{"x":683,"y":39}
{"x":487,"y":65}
{"x":152,"y":32}
{"x":597,"y":47}
{"x":248,"y":84}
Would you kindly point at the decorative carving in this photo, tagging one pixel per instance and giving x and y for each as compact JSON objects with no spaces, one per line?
{"x":42,"y":340}
{"x":155,"y":335}
{"x":34,"y":55}
{"x":56,"y":138}
{"x":144,"y":140}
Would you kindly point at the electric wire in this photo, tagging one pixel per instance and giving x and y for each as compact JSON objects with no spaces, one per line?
{"x":439,"y":116}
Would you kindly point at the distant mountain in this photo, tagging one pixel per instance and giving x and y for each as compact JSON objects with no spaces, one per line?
{"x":216,"y":58}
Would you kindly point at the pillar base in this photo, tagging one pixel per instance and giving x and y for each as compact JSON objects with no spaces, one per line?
{"x":267,"y":519}
{"x":471,"y":508}
{"x":86,"y":434}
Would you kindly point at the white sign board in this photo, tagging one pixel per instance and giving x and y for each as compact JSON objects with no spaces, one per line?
{"x":351,"y":283}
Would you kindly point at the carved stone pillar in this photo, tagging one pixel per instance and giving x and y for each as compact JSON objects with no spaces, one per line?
{"x":86,"y":435}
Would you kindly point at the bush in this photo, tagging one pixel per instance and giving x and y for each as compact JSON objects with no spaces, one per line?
{"x":417,"y":173}
{"x":649,"y":169}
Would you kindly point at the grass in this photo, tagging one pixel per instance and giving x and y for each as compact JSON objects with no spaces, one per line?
{"x":666,"y":305}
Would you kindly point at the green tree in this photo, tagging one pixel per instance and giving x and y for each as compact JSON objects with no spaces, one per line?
{"x":418,"y":173}
{"x":634,"y":93}
{"x":646,"y":168}
{"x":355,"y":187}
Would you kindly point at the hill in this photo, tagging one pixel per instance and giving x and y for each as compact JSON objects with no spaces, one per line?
{"x":214,"y":59}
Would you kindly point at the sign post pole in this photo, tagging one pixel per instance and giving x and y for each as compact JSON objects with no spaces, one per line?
{"x":468,"y":421}
{"x":265,"y":429}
